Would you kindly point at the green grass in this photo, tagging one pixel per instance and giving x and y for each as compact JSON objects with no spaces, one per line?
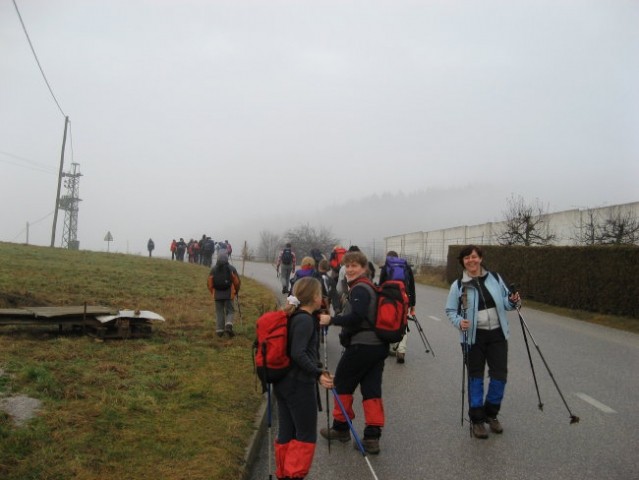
{"x":436,"y":277}
{"x":180,"y":404}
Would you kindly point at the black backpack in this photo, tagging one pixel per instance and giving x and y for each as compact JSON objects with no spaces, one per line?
{"x":222,"y":277}
{"x":287,"y":256}
{"x":208,"y":246}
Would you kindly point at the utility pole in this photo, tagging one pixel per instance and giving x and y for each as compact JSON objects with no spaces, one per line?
{"x":57,"y":197}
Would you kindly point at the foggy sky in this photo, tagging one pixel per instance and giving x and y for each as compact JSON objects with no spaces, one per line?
{"x":233,"y":117}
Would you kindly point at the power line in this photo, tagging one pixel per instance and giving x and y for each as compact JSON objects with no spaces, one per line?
{"x":31,"y":164}
{"x":31,"y":224}
{"x":36,"y":59}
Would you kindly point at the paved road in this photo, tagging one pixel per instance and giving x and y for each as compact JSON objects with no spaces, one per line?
{"x":595,"y":367}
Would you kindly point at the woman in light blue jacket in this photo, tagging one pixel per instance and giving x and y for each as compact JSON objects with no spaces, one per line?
{"x":477,"y":306}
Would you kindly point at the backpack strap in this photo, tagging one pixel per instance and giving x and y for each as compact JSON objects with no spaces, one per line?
{"x":372,"y":308}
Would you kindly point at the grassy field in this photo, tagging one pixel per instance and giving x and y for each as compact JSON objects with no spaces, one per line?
{"x":178,"y":405}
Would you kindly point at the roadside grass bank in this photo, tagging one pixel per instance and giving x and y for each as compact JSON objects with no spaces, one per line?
{"x":180,"y":404}
{"x":436,"y":277}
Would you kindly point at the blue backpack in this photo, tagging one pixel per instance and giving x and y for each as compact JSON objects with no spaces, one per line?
{"x":396,"y":268}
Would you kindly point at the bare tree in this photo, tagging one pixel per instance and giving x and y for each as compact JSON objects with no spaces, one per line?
{"x":525,"y":224}
{"x":269,"y":245}
{"x":620,"y":228}
{"x":304,"y":238}
{"x":587,"y":232}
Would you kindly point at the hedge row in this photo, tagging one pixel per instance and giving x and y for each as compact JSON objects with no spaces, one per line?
{"x":602,"y":279}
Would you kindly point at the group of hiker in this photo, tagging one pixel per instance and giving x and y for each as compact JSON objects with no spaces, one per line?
{"x":223,"y":281}
{"x":196,"y":251}
{"x":340,"y":291}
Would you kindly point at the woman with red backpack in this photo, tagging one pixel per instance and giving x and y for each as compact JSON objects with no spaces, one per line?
{"x":296,"y":393}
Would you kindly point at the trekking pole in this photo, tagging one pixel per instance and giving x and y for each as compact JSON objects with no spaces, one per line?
{"x":573,"y":418}
{"x":350,"y":425}
{"x":239,"y":308}
{"x":328,"y":413}
{"x":422,"y":335}
{"x":540,"y":405}
{"x":268,"y":415}
{"x":465,"y":373}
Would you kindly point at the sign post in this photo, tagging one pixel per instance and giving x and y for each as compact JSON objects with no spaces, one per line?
{"x":108,"y":238}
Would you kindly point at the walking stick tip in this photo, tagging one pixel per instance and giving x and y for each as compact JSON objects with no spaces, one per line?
{"x":541,"y":407}
{"x":574,"y":419}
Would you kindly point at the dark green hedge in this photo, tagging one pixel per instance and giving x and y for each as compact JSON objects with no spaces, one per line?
{"x":603,"y":279}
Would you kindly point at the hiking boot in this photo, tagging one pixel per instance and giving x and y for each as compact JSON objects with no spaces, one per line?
{"x":401,"y":357}
{"x":494,"y":425}
{"x":479,"y":430}
{"x":229,"y":330}
{"x":332,"y":434}
{"x":220,"y":334}
{"x":371,"y":445}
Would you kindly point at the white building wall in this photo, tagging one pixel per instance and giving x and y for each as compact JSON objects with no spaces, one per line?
{"x":431,"y":248}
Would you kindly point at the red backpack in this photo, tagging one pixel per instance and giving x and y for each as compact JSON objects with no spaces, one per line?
{"x":336,"y":258}
{"x":270,"y":349}
{"x":391,"y":320}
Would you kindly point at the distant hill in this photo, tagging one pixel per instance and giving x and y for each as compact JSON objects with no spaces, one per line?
{"x":372,"y":218}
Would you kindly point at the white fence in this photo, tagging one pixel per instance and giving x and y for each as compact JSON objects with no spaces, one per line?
{"x":431,"y":248}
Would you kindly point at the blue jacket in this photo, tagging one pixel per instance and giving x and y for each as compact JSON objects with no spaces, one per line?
{"x":497,"y":289}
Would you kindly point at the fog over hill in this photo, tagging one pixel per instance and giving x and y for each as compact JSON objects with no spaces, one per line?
{"x":369,"y":220}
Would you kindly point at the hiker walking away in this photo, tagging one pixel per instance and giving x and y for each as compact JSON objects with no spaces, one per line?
{"x":180,"y":250}
{"x":297,"y":393}
{"x":200,"y":243}
{"x":307,"y":269}
{"x":229,"y":249}
{"x":362,"y":362}
{"x":477,"y":305}
{"x":224,"y":284}
{"x":328,"y":284}
{"x":173,"y":249}
{"x":208,"y":248}
{"x":317,"y":255}
{"x":396,"y":268}
{"x":221,"y":247}
{"x":194,"y":251}
{"x":285,"y":266}
{"x":150,"y":246}
{"x":335,"y":260}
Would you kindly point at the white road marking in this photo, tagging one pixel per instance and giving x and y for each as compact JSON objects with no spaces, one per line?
{"x":434,"y":318}
{"x":595,"y":403}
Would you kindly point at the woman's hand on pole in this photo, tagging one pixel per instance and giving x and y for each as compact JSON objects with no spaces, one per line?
{"x":464,"y":324}
{"x":326,"y":380}
{"x":324,"y":320}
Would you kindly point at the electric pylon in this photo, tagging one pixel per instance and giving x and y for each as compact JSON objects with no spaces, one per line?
{"x":70,"y":204}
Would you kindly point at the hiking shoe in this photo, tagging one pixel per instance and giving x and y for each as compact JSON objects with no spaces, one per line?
{"x":220,"y":334}
{"x":494,"y":425}
{"x":229,"y":330}
{"x":401,"y":357}
{"x":371,"y":445}
{"x":332,"y":434}
{"x":479,"y":430}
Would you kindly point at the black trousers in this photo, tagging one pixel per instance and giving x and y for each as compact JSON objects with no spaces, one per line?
{"x":490,"y":348}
